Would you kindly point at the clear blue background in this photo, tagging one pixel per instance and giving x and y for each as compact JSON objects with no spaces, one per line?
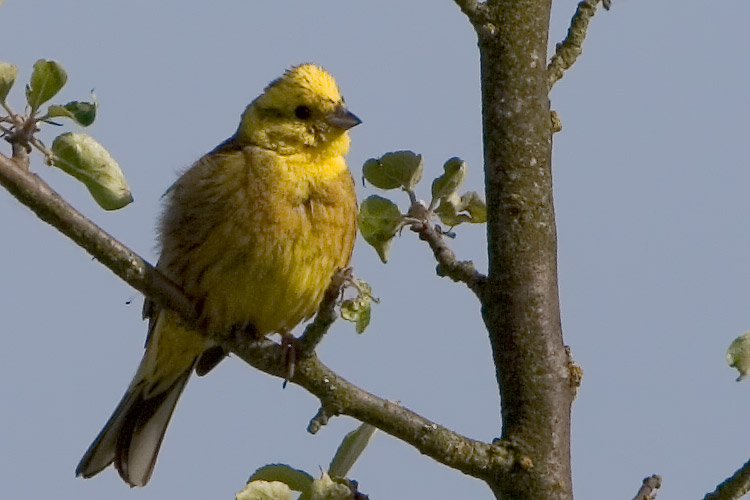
{"x":651,"y":185}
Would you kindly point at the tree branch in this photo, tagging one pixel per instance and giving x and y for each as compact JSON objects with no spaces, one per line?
{"x":337,"y":396}
{"x":448,"y":266}
{"x":569,"y":49}
{"x":326,"y":315}
{"x":473,"y":9}
{"x":648,"y":488}
{"x":733,"y":487}
{"x":33,"y":192}
{"x":521,"y":307}
{"x":340,"y":397}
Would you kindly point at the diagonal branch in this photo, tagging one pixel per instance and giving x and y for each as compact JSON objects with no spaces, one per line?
{"x":337,"y":396}
{"x":326,"y":315}
{"x":733,"y":487}
{"x":340,"y":397}
{"x":569,"y":49}
{"x":474,"y":10}
{"x":448,"y":266}
{"x":33,"y":192}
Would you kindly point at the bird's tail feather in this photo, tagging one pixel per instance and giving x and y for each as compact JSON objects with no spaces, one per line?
{"x":133,"y":434}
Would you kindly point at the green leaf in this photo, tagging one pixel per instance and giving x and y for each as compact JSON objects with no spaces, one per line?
{"x":85,"y":159}
{"x":296,"y":479}
{"x":475,"y":205}
{"x":372,"y":172}
{"x":399,"y":169}
{"x":47,"y":78}
{"x":379,"y":220}
{"x":454,"y":173}
{"x":83,"y":113}
{"x":358,"y":312}
{"x":8,"y":73}
{"x":738,"y":355}
{"x":326,"y":488}
{"x":265,"y":490}
{"x":468,"y":208}
{"x":350,"y":449}
{"x":448,"y":210}
{"x":358,"y":309}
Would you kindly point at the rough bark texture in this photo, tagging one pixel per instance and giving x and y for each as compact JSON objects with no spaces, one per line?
{"x":521,"y":307}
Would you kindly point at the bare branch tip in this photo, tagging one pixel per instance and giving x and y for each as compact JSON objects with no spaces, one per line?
{"x":571,"y":47}
{"x":318,"y":421}
{"x":648,"y":488}
{"x":556,"y":121}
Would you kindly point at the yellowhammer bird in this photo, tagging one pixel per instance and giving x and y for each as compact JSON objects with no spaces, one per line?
{"x":253,"y":231}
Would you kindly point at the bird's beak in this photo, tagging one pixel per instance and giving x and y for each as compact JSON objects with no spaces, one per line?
{"x":342,"y":118}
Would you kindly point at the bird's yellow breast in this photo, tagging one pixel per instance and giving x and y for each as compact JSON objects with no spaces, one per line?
{"x":255,"y":236}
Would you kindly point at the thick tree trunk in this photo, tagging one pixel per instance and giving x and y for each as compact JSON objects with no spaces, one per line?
{"x":521,"y":308}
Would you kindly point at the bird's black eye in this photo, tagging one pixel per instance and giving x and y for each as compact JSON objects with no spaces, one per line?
{"x":302,"y":112}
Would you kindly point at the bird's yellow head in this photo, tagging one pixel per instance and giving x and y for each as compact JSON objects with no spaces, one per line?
{"x":300,"y":112}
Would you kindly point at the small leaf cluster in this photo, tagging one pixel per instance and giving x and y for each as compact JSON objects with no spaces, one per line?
{"x":358,"y":309}
{"x":277,"y":481}
{"x":738,"y":355}
{"x":76,"y":154}
{"x":380,"y":219}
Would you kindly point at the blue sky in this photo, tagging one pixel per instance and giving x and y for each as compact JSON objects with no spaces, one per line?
{"x":650,"y":191}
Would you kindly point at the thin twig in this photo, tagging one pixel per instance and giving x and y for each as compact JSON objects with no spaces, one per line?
{"x":13,"y":117}
{"x":315,"y":331}
{"x":319,"y":420}
{"x":569,"y":49}
{"x":448,"y":266}
{"x":20,"y":155}
{"x":21,"y":137}
{"x":648,"y":488}
{"x":733,"y":487}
